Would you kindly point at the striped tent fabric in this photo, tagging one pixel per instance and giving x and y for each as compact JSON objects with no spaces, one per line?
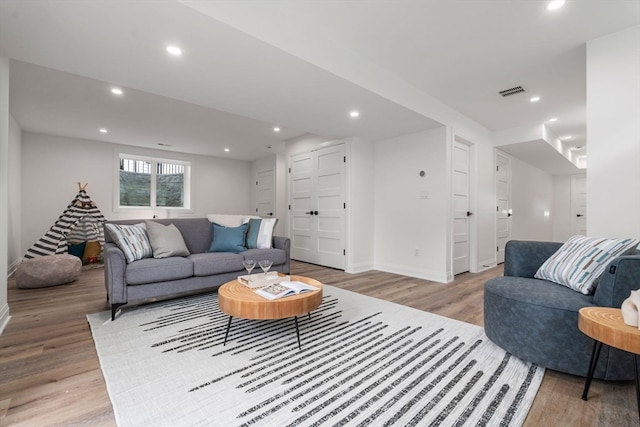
{"x":81,"y":221}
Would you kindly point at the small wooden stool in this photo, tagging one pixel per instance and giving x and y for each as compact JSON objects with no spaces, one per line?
{"x":605,"y":326}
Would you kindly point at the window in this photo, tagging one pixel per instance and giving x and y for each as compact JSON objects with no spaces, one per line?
{"x":153,"y":183}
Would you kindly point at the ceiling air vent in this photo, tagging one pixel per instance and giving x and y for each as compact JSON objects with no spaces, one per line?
{"x":511,"y":91}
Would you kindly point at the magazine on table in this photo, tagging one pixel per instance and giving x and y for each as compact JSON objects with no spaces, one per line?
{"x":284,"y":289}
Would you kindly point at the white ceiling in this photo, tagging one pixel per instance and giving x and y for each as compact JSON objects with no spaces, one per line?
{"x":250,"y":65}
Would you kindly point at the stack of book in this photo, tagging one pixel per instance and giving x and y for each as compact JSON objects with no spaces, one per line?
{"x":261,"y":280}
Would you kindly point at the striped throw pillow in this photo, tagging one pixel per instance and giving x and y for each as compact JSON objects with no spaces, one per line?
{"x":580,"y":262}
{"x":132,"y":240}
{"x":260,"y":233}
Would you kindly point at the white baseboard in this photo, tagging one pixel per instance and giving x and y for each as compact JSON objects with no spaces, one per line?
{"x":360,"y":267}
{"x":4,"y":317}
{"x":418,"y":273}
{"x":13,"y":267}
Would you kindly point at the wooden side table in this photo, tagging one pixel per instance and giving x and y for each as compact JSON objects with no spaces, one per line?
{"x":605,"y":326}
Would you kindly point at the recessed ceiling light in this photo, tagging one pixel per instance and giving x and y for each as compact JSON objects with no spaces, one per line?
{"x":103,"y":130}
{"x":226,"y":150}
{"x":534,"y":99}
{"x":567,"y":137}
{"x":354,"y":114}
{"x":553,"y":119}
{"x":116,"y":91}
{"x":174,"y":50}
{"x":276,"y":129}
{"x":555,"y":4}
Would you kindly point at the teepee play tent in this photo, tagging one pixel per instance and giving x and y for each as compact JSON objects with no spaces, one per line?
{"x":82,"y":221}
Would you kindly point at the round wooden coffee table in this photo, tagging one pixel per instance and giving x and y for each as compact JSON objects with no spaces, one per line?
{"x":606,"y":326}
{"x":237,"y":300}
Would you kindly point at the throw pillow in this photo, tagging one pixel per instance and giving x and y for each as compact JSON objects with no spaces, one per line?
{"x":229,"y":220}
{"x":580,"y":262}
{"x":132,"y":240}
{"x":92,"y":252}
{"x":260,"y":232}
{"x":166,"y":240}
{"x":228,"y":239}
{"x":76,"y":249}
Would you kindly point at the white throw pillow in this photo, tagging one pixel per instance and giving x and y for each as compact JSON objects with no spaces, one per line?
{"x":229,"y":220}
{"x":132,"y":240}
{"x":166,"y":240}
{"x":260,"y":232}
{"x":580,"y":262}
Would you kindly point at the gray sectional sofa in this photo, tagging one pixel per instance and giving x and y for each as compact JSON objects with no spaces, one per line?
{"x":150,"y":278}
{"x":537,"y":320}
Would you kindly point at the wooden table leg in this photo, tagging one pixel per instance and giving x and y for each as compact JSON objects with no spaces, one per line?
{"x":295,"y":319}
{"x":227,"y":333}
{"x":595,"y":354}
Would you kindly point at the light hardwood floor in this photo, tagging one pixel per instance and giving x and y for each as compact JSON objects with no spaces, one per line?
{"x":50,"y":374}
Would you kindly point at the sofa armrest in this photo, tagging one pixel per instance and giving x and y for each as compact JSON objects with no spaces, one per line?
{"x":115,"y":267}
{"x":621,"y":276}
{"x":284,"y":243}
{"x":523,"y":258}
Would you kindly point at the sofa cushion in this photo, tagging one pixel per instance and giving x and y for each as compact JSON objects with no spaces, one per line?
{"x":132,"y":240}
{"x":260,"y":232}
{"x":580,"y":262}
{"x":538,"y":293}
{"x":166,"y":240}
{"x":216,"y":262}
{"x":152,"y":270}
{"x":228,"y":239}
{"x":277,"y":256}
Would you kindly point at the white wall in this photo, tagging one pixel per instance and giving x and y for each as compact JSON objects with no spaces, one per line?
{"x":531,"y":197}
{"x":405,"y":222}
{"x":360,"y":205}
{"x":15,"y":249}
{"x":613,"y":134}
{"x":4,"y":188}
{"x":52,"y":165}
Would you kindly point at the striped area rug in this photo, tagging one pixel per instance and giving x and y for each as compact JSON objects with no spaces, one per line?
{"x":363,"y":362}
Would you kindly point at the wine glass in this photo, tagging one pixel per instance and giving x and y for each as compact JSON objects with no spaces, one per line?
{"x":265,"y":265}
{"x":249,"y":265}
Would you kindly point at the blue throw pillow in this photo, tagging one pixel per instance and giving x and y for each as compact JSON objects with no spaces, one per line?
{"x":228,"y":239}
{"x":76,"y":250}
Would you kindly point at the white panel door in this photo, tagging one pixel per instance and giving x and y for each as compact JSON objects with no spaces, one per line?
{"x":302,"y":187}
{"x":503,"y":204}
{"x":265,"y":194}
{"x":579,"y":205}
{"x":330,"y":201}
{"x":461,"y":211}
{"x":317,"y":214}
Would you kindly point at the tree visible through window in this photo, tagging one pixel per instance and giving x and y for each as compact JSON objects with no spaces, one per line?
{"x":153,"y":183}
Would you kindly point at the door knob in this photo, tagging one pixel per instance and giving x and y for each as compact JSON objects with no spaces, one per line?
{"x":579,"y":215}
{"x":315,"y":212}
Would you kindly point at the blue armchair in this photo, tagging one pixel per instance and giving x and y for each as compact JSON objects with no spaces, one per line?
{"x":537,"y":320}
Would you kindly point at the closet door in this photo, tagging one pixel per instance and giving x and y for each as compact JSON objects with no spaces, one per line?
{"x":317,"y":214}
{"x":503,"y":204}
